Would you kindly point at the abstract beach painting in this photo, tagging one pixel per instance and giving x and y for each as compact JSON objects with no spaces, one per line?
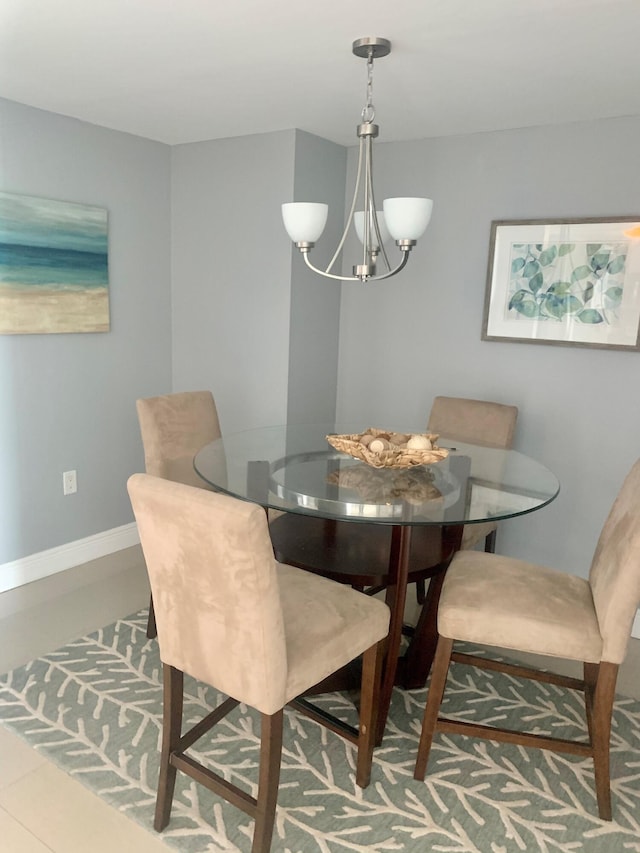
{"x":54,"y":275}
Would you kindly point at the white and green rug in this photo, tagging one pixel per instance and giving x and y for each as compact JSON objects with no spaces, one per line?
{"x":94,"y":708}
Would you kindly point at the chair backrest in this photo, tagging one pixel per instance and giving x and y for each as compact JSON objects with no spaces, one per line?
{"x":473,"y":421}
{"x":615,"y":570}
{"x":215,"y":589}
{"x":174,"y":428}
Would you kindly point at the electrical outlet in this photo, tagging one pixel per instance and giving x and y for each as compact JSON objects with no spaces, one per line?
{"x":69,"y":483}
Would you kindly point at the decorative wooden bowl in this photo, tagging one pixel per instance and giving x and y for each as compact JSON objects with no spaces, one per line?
{"x":390,"y":449}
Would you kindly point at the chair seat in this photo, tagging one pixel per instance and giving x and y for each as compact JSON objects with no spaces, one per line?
{"x":327,"y":624}
{"x":501,"y":601}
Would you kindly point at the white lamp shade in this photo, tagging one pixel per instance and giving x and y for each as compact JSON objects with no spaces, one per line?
{"x":358,"y":220}
{"x":407,"y":218}
{"x":304,"y":220}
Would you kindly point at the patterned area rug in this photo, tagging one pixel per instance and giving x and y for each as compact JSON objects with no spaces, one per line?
{"x":94,"y":708}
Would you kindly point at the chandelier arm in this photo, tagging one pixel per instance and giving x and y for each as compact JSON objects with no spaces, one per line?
{"x":369,"y":179}
{"x":351,"y":211}
{"x":327,"y":274}
{"x":400,"y":267}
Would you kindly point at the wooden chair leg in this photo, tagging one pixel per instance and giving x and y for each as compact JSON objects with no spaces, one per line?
{"x":590,"y":680}
{"x":369,"y":693}
{"x":269,"y":778}
{"x":152,"y":631}
{"x":421,"y":591}
{"x":490,"y":542}
{"x":434,"y":699}
{"x":603,"y":698}
{"x":173,"y":681}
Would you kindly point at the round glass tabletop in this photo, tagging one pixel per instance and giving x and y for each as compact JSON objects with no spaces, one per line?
{"x":293,"y":468}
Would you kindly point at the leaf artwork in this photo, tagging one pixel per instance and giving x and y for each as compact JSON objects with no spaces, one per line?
{"x":567,"y":282}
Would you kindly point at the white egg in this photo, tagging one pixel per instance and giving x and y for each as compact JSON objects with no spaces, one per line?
{"x":419,"y":442}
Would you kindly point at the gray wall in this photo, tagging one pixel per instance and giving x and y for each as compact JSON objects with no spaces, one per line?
{"x":406,"y":340}
{"x":68,"y":401}
{"x":320,"y":173}
{"x":249,"y":321}
{"x":231,"y":275}
{"x":202,"y":293}
{"x":251,"y":325}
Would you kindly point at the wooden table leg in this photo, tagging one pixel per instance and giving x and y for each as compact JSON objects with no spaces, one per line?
{"x":395,"y":598}
{"x":417,"y":660}
{"x":416,"y":663}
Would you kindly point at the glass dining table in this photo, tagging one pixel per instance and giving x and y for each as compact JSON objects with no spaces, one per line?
{"x":377,"y":529}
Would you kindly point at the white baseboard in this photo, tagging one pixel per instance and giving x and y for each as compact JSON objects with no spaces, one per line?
{"x":54,"y":560}
{"x":635,"y":631}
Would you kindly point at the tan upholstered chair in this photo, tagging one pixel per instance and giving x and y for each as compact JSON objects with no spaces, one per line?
{"x":474,"y":422}
{"x":492,"y":600}
{"x":174,"y":427}
{"x":261,"y":632}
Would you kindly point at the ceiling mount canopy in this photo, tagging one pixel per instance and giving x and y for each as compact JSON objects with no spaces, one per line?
{"x":402,"y":219}
{"x":372,"y":47}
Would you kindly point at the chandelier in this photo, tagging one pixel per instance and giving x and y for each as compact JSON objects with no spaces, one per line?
{"x":403,"y":219}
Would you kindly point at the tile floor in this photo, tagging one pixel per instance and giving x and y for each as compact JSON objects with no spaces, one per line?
{"x":42,"y":810}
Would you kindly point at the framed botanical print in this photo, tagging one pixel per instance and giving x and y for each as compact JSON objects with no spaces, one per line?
{"x":574,"y":282}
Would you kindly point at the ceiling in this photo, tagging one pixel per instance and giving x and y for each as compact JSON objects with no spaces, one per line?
{"x":189,"y":70}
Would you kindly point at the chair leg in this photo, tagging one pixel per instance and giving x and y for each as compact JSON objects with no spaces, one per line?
{"x":369,"y":693}
{"x":602,"y":710}
{"x":421,"y":591}
{"x":152,"y":631}
{"x":490,"y":543}
{"x":590,"y":680}
{"x":173,"y":681}
{"x":270,"y":759}
{"x":434,"y":699}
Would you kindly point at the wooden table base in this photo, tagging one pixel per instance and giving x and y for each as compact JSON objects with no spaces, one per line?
{"x":376,"y":556}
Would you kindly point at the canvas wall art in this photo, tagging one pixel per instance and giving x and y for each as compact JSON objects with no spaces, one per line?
{"x":54,"y":275}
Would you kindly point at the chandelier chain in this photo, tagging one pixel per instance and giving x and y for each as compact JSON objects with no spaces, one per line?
{"x":369,"y":112}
